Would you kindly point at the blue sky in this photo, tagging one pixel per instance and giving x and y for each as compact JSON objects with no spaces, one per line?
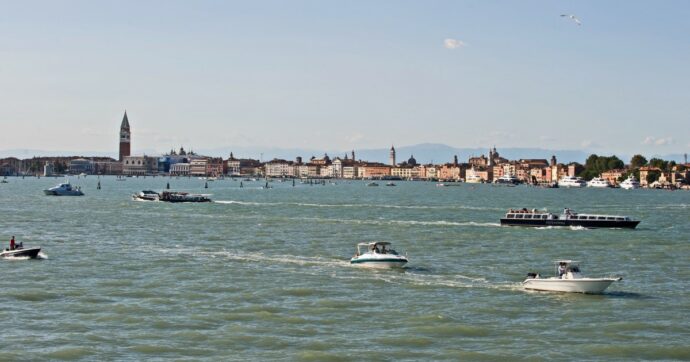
{"x":345,"y":74}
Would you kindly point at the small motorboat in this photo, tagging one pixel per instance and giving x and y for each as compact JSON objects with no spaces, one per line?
{"x":64,"y":189}
{"x":146,"y":195}
{"x":391,"y":184}
{"x":378,"y":254}
{"x":372,"y":184}
{"x":568,"y":279}
{"x":20,"y":251}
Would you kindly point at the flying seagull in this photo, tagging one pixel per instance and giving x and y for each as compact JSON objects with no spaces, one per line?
{"x":575,"y":19}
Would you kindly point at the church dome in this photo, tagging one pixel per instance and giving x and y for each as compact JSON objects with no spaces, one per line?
{"x":412,"y":161}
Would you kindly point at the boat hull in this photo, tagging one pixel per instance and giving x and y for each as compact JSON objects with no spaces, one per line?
{"x":379,"y":263}
{"x":63,"y":193}
{"x":584,"y":285}
{"x":590,"y":224}
{"x":31,"y":253}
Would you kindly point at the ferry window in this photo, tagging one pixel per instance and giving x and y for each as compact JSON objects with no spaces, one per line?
{"x":528,"y":216}
{"x":519,"y":216}
{"x":601,"y":218}
{"x":511,"y":216}
{"x":592,"y":217}
{"x":543,"y":217}
{"x":610,"y":218}
{"x":619,"y":218}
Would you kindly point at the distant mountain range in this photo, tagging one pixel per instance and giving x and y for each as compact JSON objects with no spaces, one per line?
{"x":423,"y":153}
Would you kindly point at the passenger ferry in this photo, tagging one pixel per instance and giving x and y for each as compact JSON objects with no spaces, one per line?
{"x":571,"y":181}
{"x":537,"y":218}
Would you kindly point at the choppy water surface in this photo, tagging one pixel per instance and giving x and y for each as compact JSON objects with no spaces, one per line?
{"x":265,"y":274}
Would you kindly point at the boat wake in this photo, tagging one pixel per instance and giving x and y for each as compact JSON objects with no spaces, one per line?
{"x":400,"y":222}
{"x":337,"y":268}
{"x":382,"y":206}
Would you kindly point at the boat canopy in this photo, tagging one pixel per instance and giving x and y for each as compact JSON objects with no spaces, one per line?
{"x":374,"y":243}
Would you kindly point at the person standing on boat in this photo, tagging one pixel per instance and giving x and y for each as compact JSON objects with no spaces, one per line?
{"x":561,"y":270}
{"x":12,"y":243}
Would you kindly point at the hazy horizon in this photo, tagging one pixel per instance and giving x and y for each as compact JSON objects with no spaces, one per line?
{"x":342,"y":76}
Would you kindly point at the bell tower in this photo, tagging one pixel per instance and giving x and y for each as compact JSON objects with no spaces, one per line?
{"x":125,"y":139}
{"x":391,"y":156}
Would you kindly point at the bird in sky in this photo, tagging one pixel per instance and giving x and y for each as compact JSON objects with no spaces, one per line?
{"x":575,"y":19}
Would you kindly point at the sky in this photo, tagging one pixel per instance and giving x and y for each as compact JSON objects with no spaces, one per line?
{"x":345,"y":75}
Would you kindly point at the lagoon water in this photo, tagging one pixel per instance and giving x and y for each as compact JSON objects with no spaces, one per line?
{"x":265,"y":274}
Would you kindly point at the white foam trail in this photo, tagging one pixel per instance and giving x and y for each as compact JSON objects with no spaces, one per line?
{"x":402,"y":222}
{"x":305,"y":204}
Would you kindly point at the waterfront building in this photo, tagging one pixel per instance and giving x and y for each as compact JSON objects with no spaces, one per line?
{"x":279,"y":168}
{"x":197,"y":166}
{"x":179,"y":169}
{"x":448,"y":172}
{"x":139,"y":165}
{"x":612,"y":176}
{"x":215,"y":167}
{"x":10,"y":166}
{"x":80,"y":165}
{"x":480,"y":161}
{"x":403,"y":172}
{"x":372,"y":170}
{"x":125,"y":138}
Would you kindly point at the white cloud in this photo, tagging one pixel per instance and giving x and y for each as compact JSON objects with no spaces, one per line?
{"x":663,"y":141}
{"x":453,"y":43}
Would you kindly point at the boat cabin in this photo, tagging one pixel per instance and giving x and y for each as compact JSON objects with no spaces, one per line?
{"x":567,"y":269}
{"x":375,"y":247}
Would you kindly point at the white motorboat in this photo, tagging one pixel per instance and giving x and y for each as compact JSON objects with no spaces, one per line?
{"x":507,"y":180}
{"x":146,"y":195}
{"x":20,"y":251}
{"x":630,"y":183}
{"x":598,"y":182}
{"x":64,"y":189}
{"x":568,"y":279}
{"x":378,"y":255}
{"x":372,"y":184}
{"x":571,"y":181}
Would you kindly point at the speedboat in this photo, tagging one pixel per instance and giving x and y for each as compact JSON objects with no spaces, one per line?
{"x":372,"y":184}
{"x":20,"y":252}
{"x":569,"y":279}
{"x":390,"y":184}
{"x":571,"y":181}
{"x":598,"y":182}
{"x":378,"y":254}
{"x":507,"y":179}
{"x":64,"y":189}
{"x":146,"y":195}
{"x":630,"y":183}
{"x":525,"y":217}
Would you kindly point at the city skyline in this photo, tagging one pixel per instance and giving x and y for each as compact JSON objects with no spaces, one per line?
{"x":352,"y":76}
